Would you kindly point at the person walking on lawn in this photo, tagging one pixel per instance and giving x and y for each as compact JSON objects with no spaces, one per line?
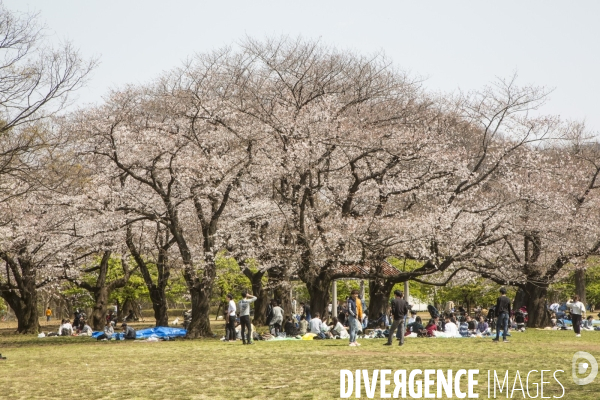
{"x":354,"y":316}
{"x":399,"y":311}
{"x":577,"y":312}
{"x":503,"y":313}
{"x":244,"y":306}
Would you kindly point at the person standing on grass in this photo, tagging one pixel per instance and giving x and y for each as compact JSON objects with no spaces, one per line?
{"x":277,"y":320}
{"x":577,"y":312}
{"x":361,"y":314}
{"x":503,"y":313}
{"x":269,"y":312}
{"x":244,"y":304}
{"x":354,"y":316}
{"x":231,"y":309}
{"x":76,"y":317}
{"x":48,"y":314}
{"x":294,"y":306}
{"x":305,"y":311}
{"x":399,"y":311}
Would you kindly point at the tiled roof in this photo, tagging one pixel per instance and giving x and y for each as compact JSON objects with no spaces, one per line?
{"x":385,"y":269}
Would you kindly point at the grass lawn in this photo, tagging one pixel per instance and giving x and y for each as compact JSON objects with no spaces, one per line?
{"x":209,"y":369}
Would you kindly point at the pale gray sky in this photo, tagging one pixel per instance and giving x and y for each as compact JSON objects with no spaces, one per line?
{"x":455,"y":44}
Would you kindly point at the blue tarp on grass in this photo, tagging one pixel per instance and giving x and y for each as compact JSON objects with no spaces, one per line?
{"x":159,"y":331}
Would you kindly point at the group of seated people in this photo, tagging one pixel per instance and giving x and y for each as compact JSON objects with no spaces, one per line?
{"x":83,"y":329}
{"x":128,"y":332}
{"x":449,"y":325}
{"x":80,"y":328}
{"x":586,"y":324}
{"x":335,"y":330}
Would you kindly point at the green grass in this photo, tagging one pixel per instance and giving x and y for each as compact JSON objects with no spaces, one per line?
{"x":210,"y":369}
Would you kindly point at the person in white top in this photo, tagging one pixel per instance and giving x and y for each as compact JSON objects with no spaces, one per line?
{"x":294,"y":304}
{"x":316,"y":325}
{"x":337,"y":330}
{"x":450,"y":328}
{"x":231,"y":317}
{"x":412,"y":318}
{"x":245,"y":302}
{"x":65,"y":329}
{"x":577,"y":313}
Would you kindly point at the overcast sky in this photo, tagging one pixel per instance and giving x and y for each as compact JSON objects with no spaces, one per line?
{"x":453,"y":44}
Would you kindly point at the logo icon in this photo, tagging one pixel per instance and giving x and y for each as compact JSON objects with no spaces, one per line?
{"x":582,"y":367}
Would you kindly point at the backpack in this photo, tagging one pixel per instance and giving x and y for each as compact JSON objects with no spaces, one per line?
{"x":433,"y":311}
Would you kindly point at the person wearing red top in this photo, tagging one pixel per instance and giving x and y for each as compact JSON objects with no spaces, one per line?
{"x":431,"y":328}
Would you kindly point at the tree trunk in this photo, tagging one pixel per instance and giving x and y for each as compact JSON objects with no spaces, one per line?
{"x":120,"y":314}
{"x":156,"y":290}
{"x":520,"y":299}
{"x":538,"y":315}
{"x":280,"y":285}
{"x":262,"y":297}
{"x":28,"y":320}
{"x":580,"y":284}
{"x":379,"y":295}
{"x":132,"y":305}
{"x":200,"y":324}
{"x":318,"y":289}
{"x":159,"y":304}
{"x":24,"y":299}
{"x":99,"y":312}
{"x":25,"y":309}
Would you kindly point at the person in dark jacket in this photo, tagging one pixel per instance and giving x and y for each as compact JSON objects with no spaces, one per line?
{"x":503,"y":314}
{"x":270,"y":312}
{"x":289,"y":327}
{"x":399,"y":311}
{"x":306,"y":311}
{"x":76,"y":317}
{"x":417,"y":327}
{"x":128,"y":332}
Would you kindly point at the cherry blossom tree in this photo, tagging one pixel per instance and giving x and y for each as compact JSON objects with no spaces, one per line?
{"x":298,"y":158}
{"x":157,"y":256}
{"x":181,"y":155}
{"x":36,"y":234}
{"x":553,"y":225}
{"x":36,"y":82}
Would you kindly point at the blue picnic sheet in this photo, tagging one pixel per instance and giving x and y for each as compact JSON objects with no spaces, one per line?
{"x":159,"y":331}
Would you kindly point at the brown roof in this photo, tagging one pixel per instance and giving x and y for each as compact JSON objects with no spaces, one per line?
{"x":360,"y":270}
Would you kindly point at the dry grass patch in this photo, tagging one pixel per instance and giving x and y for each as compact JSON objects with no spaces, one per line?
{"x":210,"y":369}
